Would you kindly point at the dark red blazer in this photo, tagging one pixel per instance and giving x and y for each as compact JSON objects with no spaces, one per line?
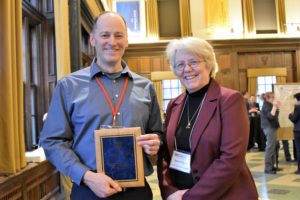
{"x":219,"y":145}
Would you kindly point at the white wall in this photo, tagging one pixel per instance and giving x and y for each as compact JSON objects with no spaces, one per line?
{"x":197,"y":18}
{"x":235,"y":20}
{"x":292,"y":10}
{"x":236,"y":17}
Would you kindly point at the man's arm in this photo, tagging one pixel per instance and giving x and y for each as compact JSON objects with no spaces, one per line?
{"x":152,"y":140}
{"x":57,"y":137}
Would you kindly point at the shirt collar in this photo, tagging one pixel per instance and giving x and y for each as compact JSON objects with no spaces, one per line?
{"x":95,"y":69}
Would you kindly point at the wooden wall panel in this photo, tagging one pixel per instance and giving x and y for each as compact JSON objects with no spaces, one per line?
{"x":234,"y":58}
{"x":269,"y":60}
{"x":243,"y":81}
{"x":144,"y":64}
{"x":166,"y":65}
{"x":133,"y":64}
{"x":225,"y":78}
{"x":36,"y":181}
{"x":251,"y":60}
{"x":278,"y":59}
{"x":242,"y":62}
{"x":224,"y":61}
{"x":263,"y":60}
{"x":157,"y":63}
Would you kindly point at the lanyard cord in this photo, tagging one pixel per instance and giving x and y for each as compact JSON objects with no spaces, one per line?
{"x":113,"y":110}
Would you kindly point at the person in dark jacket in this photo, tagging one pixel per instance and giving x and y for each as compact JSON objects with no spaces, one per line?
{"x":269,"y":123}
{"x":295,"y":118}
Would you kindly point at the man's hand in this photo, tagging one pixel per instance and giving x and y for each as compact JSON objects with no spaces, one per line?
{"x":102,"y":185}
{"x":150,"y":143}
{"x":177,"y":195}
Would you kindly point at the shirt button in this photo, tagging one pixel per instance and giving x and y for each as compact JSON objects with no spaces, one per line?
{"x":118,"y":113}
{"x":116,"y":95}
{"x":114,"y":81}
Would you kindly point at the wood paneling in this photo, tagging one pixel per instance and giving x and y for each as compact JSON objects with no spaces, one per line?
{"x":224,"y":61}
{"x":242,"y":82}
{"x":234,"y":58}
{"x":134,"y":64}
{"x":39,"y":65}
{"x":36,"y":181}
{"x":156,"y":63}
{"x":166,"y":64}
{"x":145,"y":66}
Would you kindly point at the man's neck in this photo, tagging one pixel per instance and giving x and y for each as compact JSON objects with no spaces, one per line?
{"x":110,"y":69}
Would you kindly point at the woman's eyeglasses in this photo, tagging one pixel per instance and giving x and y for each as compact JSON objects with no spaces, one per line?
{"x":192,"y":64}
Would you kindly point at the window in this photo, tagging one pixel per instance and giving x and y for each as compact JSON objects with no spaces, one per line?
{"x":264,"y":84}
{"x":87,"y":51}
{"x":170,"y":89}
{"x":39,"y":73}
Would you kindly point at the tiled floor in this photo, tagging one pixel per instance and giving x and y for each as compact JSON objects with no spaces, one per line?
{"x":285,"y":185}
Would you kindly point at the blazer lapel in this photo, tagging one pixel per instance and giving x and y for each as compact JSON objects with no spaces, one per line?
{"x":206,"y":113}
{"x":174,"y":118}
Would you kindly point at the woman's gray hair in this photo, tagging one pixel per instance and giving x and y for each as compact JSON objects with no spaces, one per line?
{"x":196,"y":46}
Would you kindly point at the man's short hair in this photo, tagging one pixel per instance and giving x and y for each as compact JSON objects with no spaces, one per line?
{"x":107,"y":12}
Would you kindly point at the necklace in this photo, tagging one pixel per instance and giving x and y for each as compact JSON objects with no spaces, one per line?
{"x":188,"y":126}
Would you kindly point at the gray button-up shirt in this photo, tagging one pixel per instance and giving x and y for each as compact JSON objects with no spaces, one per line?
{"x":79,"y":106}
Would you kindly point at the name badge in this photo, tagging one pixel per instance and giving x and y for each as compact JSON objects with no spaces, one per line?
{"x":181,"y":161}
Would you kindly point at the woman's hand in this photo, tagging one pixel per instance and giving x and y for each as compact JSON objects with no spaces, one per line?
{"x":177,"y":195}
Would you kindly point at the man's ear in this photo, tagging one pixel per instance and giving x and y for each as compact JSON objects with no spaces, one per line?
{"x":92,"y":40}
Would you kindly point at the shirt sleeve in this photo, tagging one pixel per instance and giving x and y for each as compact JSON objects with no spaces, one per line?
{"x":154,"y":123}
{"x":57,"y":136}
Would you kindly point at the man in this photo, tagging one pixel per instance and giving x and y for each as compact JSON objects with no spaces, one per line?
{"x":91,"y":97}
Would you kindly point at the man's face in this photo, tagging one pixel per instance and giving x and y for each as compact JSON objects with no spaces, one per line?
{"x":109,"y":39}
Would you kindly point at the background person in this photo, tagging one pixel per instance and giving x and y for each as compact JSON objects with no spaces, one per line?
{"x":80,"y":105}
{"x":295,"y":118}
{"x":269,"y":123}
{"x":204,"y":150}
{"x":256,"y":133}
{"x":253,"y":113}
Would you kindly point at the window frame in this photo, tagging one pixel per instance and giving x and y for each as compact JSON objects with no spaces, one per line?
{"x":39,"y":67}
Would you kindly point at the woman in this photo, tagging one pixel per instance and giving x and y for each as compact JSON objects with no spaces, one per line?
{"x":269,"y":123}
{"x":206,"y":132}
{"x":295,"y":118}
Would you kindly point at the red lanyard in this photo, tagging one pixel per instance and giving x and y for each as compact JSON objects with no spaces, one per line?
{"x":113,"y":110}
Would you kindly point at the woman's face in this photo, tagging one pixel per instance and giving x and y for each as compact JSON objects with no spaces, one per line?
{"x":191,"y":70}
{"x":271,"y":98}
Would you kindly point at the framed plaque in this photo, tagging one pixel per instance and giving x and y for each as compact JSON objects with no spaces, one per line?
{"x":118,"y":155}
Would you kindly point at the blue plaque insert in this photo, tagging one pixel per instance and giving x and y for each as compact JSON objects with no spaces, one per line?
{"x":118,"y":154}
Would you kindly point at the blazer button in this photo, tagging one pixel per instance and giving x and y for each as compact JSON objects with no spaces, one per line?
{"x":197,"y":178}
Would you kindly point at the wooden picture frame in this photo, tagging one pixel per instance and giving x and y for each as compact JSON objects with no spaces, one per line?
{"x":119,"y":157}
